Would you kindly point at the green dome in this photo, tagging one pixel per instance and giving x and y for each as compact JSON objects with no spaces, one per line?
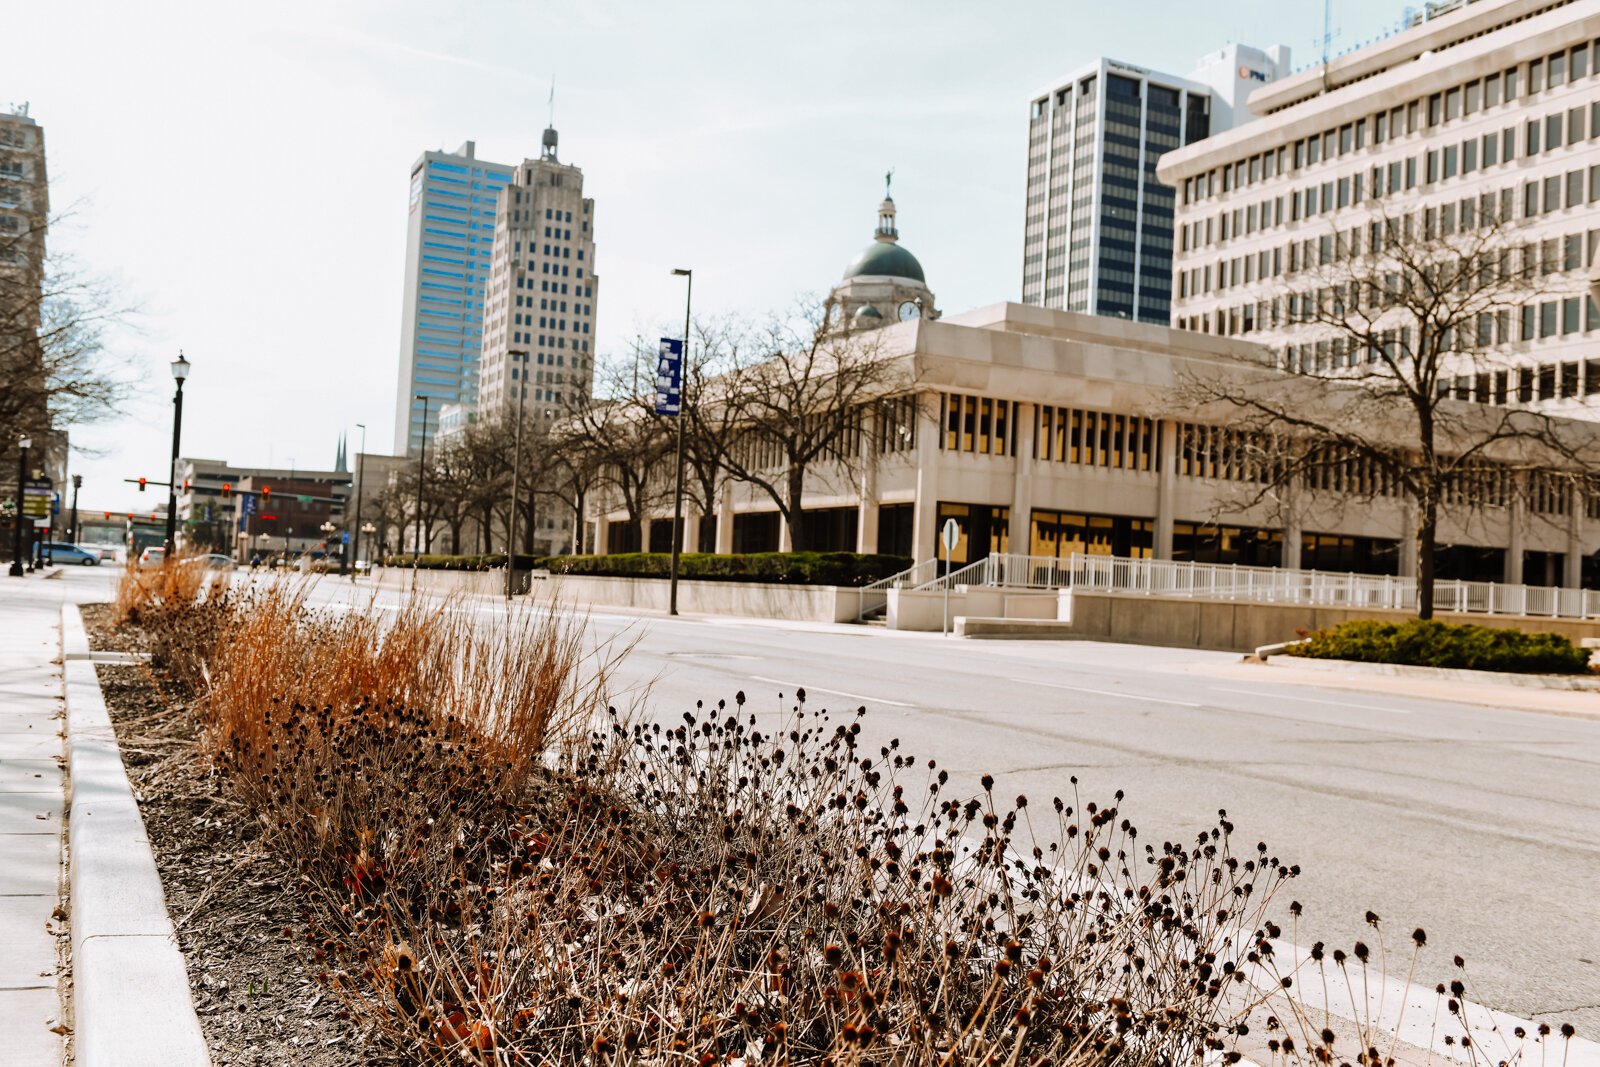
{"x":867,"y":311}
{"x":885,"y":259}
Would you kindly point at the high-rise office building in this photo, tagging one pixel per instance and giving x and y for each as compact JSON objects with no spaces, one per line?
{"x":1485,"y":112}
{"x":449,"y":239}
{"x":538,"y":323}
{"x":24,"y":205}
{"x":1098,"y":231}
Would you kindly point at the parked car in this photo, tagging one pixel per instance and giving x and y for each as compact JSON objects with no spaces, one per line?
{"x":152,"y":557}
{"x":216,"y":561}
{"x":61,"y":552}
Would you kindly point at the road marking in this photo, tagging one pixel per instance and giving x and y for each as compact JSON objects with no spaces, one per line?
{"x":833,"y":692}
{"x":1113,"y":693}
{"x":1311,"y":700}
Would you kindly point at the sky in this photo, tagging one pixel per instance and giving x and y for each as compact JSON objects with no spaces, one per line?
{"x":238,"y":174}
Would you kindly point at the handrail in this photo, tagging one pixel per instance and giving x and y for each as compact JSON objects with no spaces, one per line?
{"x":1165,"y":577}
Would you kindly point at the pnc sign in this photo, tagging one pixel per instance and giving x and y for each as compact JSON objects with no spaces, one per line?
{"x":1251,"y":75}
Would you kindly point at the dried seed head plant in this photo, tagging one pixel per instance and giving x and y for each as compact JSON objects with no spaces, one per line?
{"x":494,"y":870}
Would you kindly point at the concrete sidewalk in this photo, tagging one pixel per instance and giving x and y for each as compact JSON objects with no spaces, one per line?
{"x":32,"y":797}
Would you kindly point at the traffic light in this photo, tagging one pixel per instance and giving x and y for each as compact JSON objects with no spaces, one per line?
{"x":108,"y":514}
{"x":266,"y":491}
{"x":141,"y":485}
{"x":227,"y":490}
{"x":186,"y":485}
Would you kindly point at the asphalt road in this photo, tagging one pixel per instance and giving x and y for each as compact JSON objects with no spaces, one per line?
{"x":1480,"y":825}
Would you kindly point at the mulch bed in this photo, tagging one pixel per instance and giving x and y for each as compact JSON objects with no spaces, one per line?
{"x":230,"y":899}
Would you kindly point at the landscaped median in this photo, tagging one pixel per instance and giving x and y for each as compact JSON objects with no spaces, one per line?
{"x":487,"y":865}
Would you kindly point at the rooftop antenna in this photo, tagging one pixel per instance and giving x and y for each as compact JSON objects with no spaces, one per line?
{"x":1328,"y":34}
{"x":552,"y":121}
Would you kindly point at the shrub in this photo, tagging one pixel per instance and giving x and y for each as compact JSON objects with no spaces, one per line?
{"x":484,"y":562}
{"x":797,"y":568}
{"x":1436,"y":644}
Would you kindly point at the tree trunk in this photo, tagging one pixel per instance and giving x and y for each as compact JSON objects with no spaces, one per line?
{"x":1427,"y":538}
{"x":796,"y":512}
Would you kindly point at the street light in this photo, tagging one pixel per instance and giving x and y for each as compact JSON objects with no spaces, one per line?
{"x":77,"y":484}
{"x":361,"y":459}
{"x":369,"y":530}
{"x":422,"y":462}
{"x":521,"y":358}
{"x":327,"y":529}
{"x":180,"y":372}
{"x":677,"y":489}
{"x":23,"y":444}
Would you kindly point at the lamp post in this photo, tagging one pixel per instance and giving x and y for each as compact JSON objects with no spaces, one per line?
{"x":521,"y":358}
{"x":327,"y":529}
{"x":361,"y":460}
{"x":77,"y":484}
{"x":677,"y":488}
{"x":422,"y":462}
{"x":180,"y":372}
{"x":23,"y":444}
{"x":369,"y":530}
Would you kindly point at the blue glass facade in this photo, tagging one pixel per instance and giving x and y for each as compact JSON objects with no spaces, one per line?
{"x":452,"y":223}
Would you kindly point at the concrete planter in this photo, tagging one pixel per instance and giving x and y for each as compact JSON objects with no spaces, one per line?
{"x":809,"y":603}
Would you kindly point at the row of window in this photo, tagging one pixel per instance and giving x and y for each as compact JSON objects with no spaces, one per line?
{"x":1443,"y":164}
{"x":1550,"y":72}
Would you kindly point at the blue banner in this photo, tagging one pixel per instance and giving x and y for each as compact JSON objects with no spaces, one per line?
{"x":669,"y":377}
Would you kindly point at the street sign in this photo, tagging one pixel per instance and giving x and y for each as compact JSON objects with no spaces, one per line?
{"x":669,"y":377}
{"x":344,"y":538}
{"x":950,"y":535}
{"x":37,"y":496}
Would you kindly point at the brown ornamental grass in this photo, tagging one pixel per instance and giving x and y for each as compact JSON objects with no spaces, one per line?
{"x":498,"y":868}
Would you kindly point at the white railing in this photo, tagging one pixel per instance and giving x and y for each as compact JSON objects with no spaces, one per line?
{"x":1269,"y":585}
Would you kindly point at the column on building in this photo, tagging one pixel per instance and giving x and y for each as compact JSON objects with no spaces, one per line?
{"x":867,"y":508}
{"x":1021,"y":526}
{"x":1517,"y":534}
{"x":725,"y":520}
{"x":1166,"y":488}
{"x":1572,"y":566}
{"x":691,"y":528}
{"x":924,"y":534}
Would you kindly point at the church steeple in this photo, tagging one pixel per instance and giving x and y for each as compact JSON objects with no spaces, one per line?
{"x":886,"y":231}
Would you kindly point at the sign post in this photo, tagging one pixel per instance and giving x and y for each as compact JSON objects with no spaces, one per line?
{"x":948,"y":538}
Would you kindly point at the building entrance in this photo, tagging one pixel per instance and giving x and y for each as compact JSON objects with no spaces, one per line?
{"x":984,"y":529}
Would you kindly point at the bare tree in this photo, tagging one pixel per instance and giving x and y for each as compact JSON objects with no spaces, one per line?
{"x":1391,"y":337}
{"x":794,"y":401}
{"x":619,"y":443}
{"x":53,"y":318}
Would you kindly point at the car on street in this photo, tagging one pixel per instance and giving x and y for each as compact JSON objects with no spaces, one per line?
{"x":152,"y":557}
{"x":215,"y":561}
{"x":62,"y":552}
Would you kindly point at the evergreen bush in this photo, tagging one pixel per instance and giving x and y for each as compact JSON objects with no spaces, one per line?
{"x":1421,"y":643}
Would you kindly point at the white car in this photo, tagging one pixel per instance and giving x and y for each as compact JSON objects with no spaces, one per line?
{"x":152,"y":557}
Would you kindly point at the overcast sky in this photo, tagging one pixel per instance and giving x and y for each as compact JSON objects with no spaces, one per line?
{"x":240,"y":171}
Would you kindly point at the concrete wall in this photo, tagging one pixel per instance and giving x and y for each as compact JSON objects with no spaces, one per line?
{"x":915,"y":609}
{"x":1236,"y":626}
{"x":473,"y":583}
{"x":812,"y":603}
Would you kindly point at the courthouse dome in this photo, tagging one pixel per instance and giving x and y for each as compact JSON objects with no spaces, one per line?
{"x":885,"y":259}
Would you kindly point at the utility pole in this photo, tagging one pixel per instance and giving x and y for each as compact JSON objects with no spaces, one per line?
{"x":677,"y":489}
{"x":355,"y":535}
{"x":422,"y":465}
{"x":77,"y":484}
{"x":180,"y":373}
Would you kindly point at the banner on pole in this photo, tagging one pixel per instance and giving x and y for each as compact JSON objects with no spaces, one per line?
{"x":669,"y":377}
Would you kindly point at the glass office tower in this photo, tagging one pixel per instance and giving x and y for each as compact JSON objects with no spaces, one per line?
{"x":449,"y":241}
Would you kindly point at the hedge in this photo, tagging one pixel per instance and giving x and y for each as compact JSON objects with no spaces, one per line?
{"x":485,"y":562}
{"x":1436,"y":644}
{"x":796,"y":568}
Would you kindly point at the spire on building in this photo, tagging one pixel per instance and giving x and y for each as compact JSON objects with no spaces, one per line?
{"x":886,"y":230}
{"x":339,"y":462}
{"x":548,"y":149}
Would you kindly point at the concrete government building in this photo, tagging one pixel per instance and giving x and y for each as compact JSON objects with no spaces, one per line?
{"x":1050,"y":432}
{"x":1490,"y":109}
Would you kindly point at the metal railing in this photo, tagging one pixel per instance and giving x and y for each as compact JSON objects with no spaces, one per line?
{"x":1267,"y":585}
{"x":878,"y":591}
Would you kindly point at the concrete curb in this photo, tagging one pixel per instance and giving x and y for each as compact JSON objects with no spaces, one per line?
{"x":131,"y":999}
{"x":1438,"y":674}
